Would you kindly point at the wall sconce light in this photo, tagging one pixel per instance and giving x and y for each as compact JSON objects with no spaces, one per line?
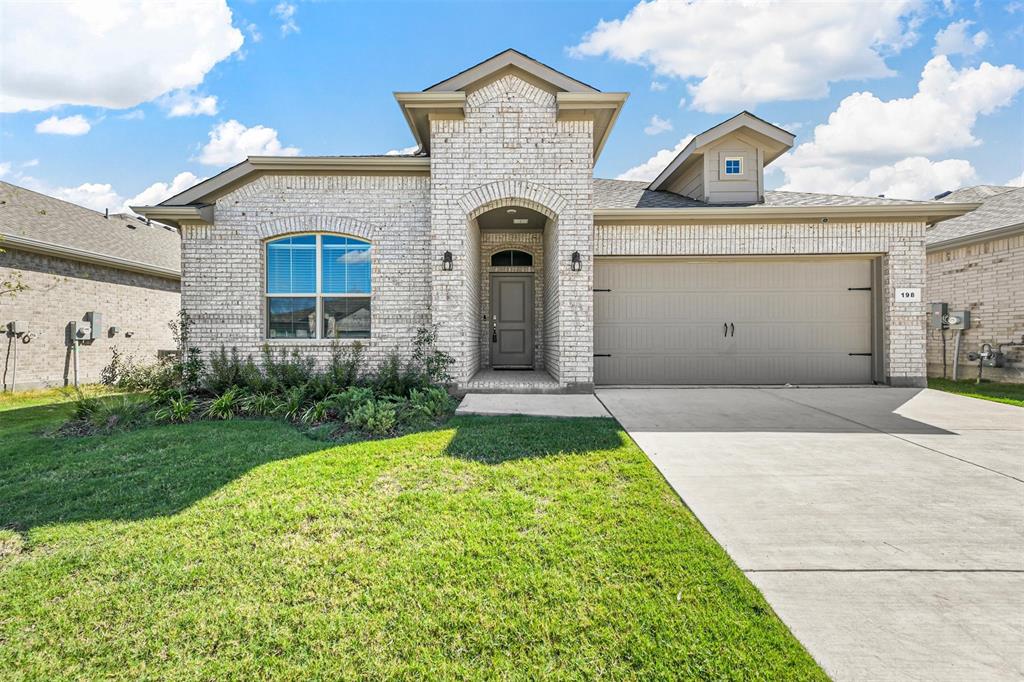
{"x":577,"y":262}
{"x":446,"y":261}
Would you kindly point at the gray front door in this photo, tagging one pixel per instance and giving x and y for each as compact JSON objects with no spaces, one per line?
{"x":511,"y":320}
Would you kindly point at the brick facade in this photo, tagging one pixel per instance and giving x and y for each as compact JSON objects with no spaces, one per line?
{"x":510,"y":149}
{"x":899,"y":246}
{"x":986,"y":279}
{"x":61,"y":290}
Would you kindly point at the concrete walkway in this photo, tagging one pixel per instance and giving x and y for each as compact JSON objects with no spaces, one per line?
{"x":884,"y":526}
{"x":536,"y":405}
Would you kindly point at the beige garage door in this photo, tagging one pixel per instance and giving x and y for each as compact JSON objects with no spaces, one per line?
{"x":742,"y":321}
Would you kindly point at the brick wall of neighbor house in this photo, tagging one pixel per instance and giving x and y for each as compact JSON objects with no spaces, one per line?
{"x":532,"y":243}
{"x":986,"y":278}
{"x":224,"y":265}
{"x":61,"y":290}
{"x":901,"y":246}
{"x":510,"y":150}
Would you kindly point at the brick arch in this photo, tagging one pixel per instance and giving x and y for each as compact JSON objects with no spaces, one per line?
{"x":512,"y":193}
{"x":316,"y":223}
{"x":501,"y":88}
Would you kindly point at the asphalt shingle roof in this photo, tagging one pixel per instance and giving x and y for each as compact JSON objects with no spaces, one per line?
{"x":28,"y":214}
{"x":998,"y":210}
{"x":632,"y":194}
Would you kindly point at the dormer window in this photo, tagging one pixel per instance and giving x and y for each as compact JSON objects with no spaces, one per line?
{"x":734,"y":166}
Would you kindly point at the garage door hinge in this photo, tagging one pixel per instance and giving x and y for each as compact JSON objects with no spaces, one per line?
{"x":858,"y":288}
{"x":602,"y":289}
{"x":858,"y":353}
{"x":602,"y":355}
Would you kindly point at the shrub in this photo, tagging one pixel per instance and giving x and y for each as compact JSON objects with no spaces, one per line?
{"x":317,"y":413}
{"x":226,"y":405}
{"x":292,"y":403}
{"x":94,"y":415}
{"x":262,"y":404}
{"x":346,"y":365}
{"x":288,"y":370}
{"x":349,"y":399}
{"x":229,"y":369}
{"x":431,"y":402}
{"x":431,"y":363}
{"x":179,"y":409}
{"x":376,"y":417}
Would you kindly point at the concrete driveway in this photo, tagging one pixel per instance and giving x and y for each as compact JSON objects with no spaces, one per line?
{"x":885,"y":526}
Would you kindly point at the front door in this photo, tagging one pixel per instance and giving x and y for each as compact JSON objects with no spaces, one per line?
{"x":511,"y":320}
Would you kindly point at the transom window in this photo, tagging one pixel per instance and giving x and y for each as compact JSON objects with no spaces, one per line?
{"x":734,"y":166}
{"x":318,"y":287}
{"x":512,"y":258}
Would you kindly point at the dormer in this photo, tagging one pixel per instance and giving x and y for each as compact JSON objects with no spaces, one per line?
{"x":725,"y":164}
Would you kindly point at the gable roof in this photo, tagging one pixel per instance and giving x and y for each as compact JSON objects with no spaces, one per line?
{"x":509,"y":59}
{"x":1001,"y":213}
{"x":627,"y":200}
{"x":31,"y":221}
{"x":975,"y":193}
{"x":777,"y":141}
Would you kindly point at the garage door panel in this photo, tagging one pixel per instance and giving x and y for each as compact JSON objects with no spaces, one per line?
{"x":795,"y":321}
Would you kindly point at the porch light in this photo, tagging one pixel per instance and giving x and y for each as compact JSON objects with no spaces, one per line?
{"x":446,"y":261}
{"x":577,"y":262}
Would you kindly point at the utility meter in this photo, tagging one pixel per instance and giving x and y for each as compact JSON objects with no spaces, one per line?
{"x":937,"y":315}
{"x":959,"y":319}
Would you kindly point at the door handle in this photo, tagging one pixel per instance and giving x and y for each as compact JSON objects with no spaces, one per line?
{"x":494,"y":335}
{"x":732,"y":329}
{"x":725,"y":329}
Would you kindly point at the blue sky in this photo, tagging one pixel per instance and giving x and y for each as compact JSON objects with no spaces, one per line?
{"x":124,"y":112}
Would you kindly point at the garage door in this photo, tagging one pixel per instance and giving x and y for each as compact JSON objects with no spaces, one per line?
{"x":753,"y":321}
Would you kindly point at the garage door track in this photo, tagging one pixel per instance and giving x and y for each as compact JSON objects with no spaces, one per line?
{"x":885,"y":526}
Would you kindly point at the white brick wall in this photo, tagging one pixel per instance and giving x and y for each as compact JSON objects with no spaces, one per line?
{"x":511,"y":150}
{"x":901,"y":246}
{"x":224,"y":266}
{"x":986,"y":278}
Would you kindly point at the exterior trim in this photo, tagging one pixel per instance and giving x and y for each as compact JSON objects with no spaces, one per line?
{"x":504,"y":59}
{"x":928,"y":212}
{"x":306,"y":224}
{"x":603,"y":107}
{"x":976,"y":238}
{"x":176,"y":215}
{"x":418,"y":107}
{"x":71,"y":253}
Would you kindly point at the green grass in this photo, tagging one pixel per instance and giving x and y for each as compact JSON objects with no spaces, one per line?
{"x":1011,"y":394}
{"x":492,"y":548}
{"x":48,"y":396}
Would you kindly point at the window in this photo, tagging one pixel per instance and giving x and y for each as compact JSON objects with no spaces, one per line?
{"x":734,"y":166}
{"x":318,"y":286}
{"x":512,"y":258}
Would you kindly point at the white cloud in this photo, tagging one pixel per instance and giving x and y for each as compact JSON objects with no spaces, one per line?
{"x":657,"y":126}
{"x":5,"y":168}
{"x":69,"y":125}
{"x":254,"y":32}
{"x":109,"y":53}
{"x":750,"y":52}
{"x":1016,"y":182}
{"x":658,"y":86}
{"x":404,"y":151}
{"x":188,"y":103}
{"x":915,"y":178}
{"x":159,"y":191}
{"x":285,"y":11}
{"x":133,"y":115}
{"x":682,"y":102}
{"x":649,"y":169}
{"x":954,"y":39}
{"x":231,"y":142}
{"x":98,"y":196}
{"x":31,"y":163}
{"x":866,"y":133}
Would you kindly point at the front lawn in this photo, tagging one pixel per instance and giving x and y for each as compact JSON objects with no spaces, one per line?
{"x":489,"y":548}
{"x":1011,"y":394}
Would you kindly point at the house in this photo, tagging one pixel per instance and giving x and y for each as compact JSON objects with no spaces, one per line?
{"x":976,"y":263}
{"x":497,"y":232}
{"x":91,"y":282}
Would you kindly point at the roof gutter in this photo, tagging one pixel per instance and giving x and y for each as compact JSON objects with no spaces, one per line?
{"x":175,"y":215}
{"x":929,"y":213}
{"x":977,"y":237}
{"x":81,"y":255}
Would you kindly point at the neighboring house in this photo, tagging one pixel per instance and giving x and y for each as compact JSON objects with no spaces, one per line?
{"x":75,"y":262}
{"x":976,"y":263}
{"x":700,"y":277}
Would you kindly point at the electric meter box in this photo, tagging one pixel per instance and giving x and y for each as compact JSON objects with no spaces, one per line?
{"x":959,"y":319}
{"x":937,"y":315}
{"x":17,"y":327}
{"x":95,"y":321}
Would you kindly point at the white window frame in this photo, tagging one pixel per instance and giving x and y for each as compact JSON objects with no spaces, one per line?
{"x":725,"y":166}
{"x":319,"y":296}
